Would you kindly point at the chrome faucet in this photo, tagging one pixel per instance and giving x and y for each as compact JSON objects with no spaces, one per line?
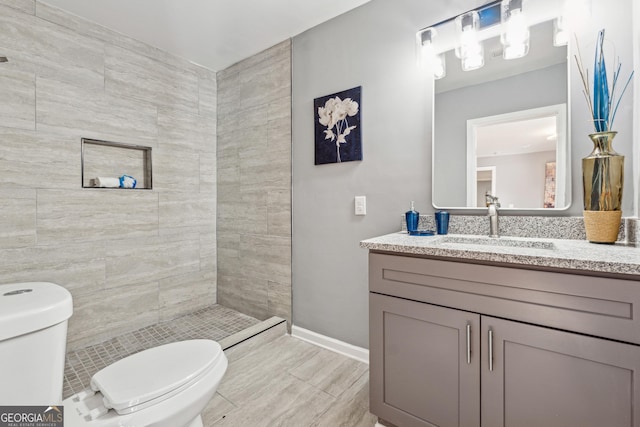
{"x":493,"y":205}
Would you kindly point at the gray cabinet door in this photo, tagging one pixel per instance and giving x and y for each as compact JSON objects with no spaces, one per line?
{"x":551,"y":378}
{"x":421,"y":373}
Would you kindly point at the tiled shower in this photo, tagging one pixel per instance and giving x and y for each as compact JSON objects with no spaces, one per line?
{"x":254,"y":184}
{"x":133,"y":258}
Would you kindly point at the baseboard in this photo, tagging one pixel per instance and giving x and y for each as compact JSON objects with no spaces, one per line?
{"x":349,"y":350}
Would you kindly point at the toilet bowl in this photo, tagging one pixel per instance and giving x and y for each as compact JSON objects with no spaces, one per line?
{"x":165,"y":386}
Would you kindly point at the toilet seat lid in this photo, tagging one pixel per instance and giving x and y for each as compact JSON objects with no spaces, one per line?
{"x":158,"y":373}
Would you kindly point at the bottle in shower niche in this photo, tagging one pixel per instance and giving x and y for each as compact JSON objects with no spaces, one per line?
{"x":412,"y":218}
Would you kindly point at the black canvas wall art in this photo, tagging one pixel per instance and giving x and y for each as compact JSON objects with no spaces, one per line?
{"x":337,"y":127}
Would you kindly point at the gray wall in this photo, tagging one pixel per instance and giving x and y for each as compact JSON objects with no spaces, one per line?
{"x":520,"y":179}
{"x":254,"y":184}
{"x":373,"y":46}
{"x":130,"y":258}
{"x":539,"y":88}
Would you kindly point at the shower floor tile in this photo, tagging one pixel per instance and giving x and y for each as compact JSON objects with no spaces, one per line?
{"x":215,"y":323}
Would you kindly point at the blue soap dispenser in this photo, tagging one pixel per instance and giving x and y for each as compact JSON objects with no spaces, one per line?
{"x":412,"y":218}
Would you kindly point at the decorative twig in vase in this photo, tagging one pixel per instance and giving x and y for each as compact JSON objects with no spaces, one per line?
{"x":601,"y":101}
{"x":603,"y":169}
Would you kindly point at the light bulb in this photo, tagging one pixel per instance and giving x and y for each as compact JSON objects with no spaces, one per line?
{"x":515,"y":32}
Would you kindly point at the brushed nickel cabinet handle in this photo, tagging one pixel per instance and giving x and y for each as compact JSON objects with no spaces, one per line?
{"x":468,"y":343}
{"x":490,"y":350}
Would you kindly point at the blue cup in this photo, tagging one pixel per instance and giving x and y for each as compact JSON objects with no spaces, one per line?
{"x":442,"y":222}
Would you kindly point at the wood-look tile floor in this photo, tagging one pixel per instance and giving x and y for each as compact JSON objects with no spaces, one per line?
{"x":289,"y":382}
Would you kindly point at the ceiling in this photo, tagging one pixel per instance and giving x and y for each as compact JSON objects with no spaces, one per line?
{"x":517,"y":137}
{"x":211,"y":33}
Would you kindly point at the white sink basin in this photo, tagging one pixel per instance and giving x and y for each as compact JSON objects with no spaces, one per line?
{"x":497,"y":241}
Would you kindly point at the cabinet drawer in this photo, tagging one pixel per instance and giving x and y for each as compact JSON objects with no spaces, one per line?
{"x":605,"y":307}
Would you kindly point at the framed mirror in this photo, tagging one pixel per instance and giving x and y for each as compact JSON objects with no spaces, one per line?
{"x":502,"y":128}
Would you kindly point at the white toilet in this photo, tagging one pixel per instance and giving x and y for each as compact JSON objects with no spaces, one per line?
{"x":165,"y":386}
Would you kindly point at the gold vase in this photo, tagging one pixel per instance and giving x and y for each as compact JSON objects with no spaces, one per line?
{"x":603,"y":181}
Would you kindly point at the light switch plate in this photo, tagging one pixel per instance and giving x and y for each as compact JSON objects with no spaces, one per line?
{"x":361,"y":205}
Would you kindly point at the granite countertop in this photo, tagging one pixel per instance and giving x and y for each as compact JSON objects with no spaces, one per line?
{"x":555,"y":253}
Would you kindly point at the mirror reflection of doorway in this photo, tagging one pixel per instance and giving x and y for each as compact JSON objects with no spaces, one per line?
{"x":519,"y":145}
{"x":486,"y":183}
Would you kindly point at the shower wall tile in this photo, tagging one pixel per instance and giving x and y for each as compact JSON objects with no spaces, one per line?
{"x":185,"y":131}
{"x":208,"y":177}
{"x":254,"y":184}
{"x":177,"y":209}
{"x":228,"y":249}
{"x":26,"y":6}
{"x":176,"y":173}
{"x":207,"y":94}
{"x":261,"y":170}
{"x":67,"y":108}
{"x":279,"y":175}
{"x":279,"y":213}
{"x":279,"y":299}
{"x":266,"y":258}
{"x":227,"y":151}
{"x":140,"y":77}
{"x":278,"y":129}
{"x":18,"y":94}
{"x":39,"y":160}
{"x":129,"y":257}
{"x":89,"y":215}
{"x":264,"y":82}
{"x":140,"y":260}
{"x":279,"y":109}
{"x":228,"y":176}
{"x":208,"y":251}
{"x":47,"y":50}
{"x":186,"y":293}
{"x":17,"y":218}
{"x":253,"y":157}
{"x":228,"y":96}
{"x":253,"y":118}
{"x":248,"y":296}
{"x":228,"y":125}
{"x":110,"y":312}
{"x":234,"y":216}
{"x":78,"y":267}
{"x":277,"y":53}
{"x":92,"y":30}
{"x":253,"y":220}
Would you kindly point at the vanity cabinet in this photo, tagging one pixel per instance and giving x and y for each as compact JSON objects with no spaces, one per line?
{"x":457,"y":344}
{"x":424,"y":363}
{"x":551,"y":378}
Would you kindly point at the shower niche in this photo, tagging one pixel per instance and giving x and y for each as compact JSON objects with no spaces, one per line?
{"x":106,"y":159}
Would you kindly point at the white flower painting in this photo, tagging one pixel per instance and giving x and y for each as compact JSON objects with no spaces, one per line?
{"x":338,"y":127}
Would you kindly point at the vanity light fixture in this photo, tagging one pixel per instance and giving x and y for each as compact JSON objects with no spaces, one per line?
{"x":429,"y":58}
{"x":470,"y":51}
{"x":515,"y":32}
{"x":560,"y":32}
{"x":573,"y":16}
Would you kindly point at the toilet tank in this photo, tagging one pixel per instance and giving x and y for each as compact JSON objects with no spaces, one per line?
{"x":33,"y":334}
